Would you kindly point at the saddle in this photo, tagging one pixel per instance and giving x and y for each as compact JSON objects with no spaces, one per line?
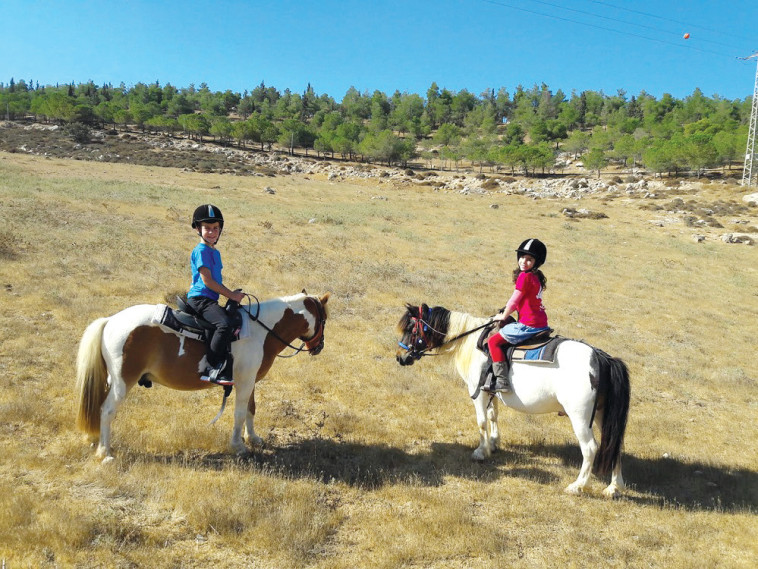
{"x":531,"y":349}
{"x":186,"y":322}
{"x":539,"y":349}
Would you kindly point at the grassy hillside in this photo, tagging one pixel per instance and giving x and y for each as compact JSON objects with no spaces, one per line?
{"x":366,"y":464}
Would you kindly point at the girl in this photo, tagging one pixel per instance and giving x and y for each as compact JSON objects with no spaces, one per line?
{"x":206,"y":288}
{"x":527,"y":300}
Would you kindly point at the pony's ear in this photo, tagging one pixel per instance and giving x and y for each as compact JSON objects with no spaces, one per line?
{"x":324,"y":299}
{"x":305,"y":293}
{"x":412,"y":310}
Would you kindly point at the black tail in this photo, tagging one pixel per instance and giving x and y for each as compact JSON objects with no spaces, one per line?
{"x":613,"y":388}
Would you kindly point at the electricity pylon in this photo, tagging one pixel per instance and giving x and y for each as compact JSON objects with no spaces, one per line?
{"x":750,"y":172}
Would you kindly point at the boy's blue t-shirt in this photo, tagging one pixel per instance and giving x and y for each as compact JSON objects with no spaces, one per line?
{"x":205,"y":256}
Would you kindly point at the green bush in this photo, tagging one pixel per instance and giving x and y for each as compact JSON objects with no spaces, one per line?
{"x":79,"y":132}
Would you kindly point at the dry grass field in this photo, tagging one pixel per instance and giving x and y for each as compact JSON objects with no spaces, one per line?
{"x":365,"y":463}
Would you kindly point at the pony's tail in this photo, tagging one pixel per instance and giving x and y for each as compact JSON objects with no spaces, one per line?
{"x":91,"y":377}
{"x":613,"y":387}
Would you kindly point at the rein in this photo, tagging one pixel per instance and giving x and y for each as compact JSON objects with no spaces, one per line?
{"x":418,"y":354}
{"x":271,"y":331}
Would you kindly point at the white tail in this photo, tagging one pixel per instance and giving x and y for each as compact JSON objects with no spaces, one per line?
{"x":91,"y":377}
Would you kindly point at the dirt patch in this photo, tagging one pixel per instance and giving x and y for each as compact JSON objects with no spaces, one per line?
{"x":126,"y":148}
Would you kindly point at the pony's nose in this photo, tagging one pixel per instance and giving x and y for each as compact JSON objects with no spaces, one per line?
{"x":405,"y":359}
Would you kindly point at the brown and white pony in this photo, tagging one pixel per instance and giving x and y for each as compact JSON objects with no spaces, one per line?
{"x":115,"y":353}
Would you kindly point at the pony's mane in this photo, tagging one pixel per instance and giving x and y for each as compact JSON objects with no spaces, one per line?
{"x":463,"y":349}
{"x":460,"y":322}
{"x":288,"y":299}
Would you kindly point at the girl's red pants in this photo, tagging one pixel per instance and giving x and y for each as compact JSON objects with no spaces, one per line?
{"x":497,"y":345}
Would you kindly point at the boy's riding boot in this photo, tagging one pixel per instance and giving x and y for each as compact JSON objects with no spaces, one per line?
{"x":226,"y":377}
{"x":502,"y":384}
{"x":218,"y":374}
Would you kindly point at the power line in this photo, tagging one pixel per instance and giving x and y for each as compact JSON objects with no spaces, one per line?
{"x":649,"y":15}
{"x":599,"y":27}
{"x":627,"y":22}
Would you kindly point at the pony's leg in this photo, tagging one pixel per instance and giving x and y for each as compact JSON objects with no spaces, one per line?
{"x":484,"y":450}
{"x":492,"y":423}
{"x":252,"y":438}
{"x":617,"y":482}
{"x":588,"y":444}
{"x":116,"y":396}
{"x":240,"y":414}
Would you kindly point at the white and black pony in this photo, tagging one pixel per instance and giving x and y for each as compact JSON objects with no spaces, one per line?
{"x":582,"y":382}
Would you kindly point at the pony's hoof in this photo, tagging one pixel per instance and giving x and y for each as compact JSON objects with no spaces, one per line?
{"x":479,"y":455}
{"x":573,"y":490}
{"x":611,"y":492}
{"x":107,"y":460}
{"x":255,"y":440}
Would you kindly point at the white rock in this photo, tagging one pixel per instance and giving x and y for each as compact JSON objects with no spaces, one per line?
{"x":746,"y":238}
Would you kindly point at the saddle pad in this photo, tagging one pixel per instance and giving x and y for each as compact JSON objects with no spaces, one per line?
{"x":164,"y":317}
{"x":540,"y":354}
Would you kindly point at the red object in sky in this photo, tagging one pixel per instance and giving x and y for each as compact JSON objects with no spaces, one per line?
{"x":687,"y":36}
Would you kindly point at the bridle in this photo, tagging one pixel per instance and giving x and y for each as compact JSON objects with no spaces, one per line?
{"x":422,"y":339}
{"x":318,"y":335}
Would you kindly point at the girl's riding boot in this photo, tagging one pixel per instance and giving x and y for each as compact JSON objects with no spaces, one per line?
{"x":502,"y":384}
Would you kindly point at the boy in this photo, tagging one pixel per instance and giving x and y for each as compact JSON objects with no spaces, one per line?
{"x":207,"y":286}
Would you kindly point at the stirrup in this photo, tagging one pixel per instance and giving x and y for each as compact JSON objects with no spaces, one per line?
{"x":213,"y":375}
{"x":223,"y":381}
{"x":499,"y":387}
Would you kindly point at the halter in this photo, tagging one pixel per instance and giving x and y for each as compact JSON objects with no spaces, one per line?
{"x":420,"y":344}
{"x":318,"y":334}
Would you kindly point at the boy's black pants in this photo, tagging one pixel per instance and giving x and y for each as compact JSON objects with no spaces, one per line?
{"x":221,"y":339}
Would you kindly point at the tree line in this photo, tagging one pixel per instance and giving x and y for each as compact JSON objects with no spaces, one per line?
{"x":522,"y":131}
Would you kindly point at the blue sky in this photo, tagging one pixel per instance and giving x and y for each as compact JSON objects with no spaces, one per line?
{"x":387,"y":45}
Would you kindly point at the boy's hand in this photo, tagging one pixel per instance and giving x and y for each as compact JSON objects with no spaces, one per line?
{"x":237,"y":296}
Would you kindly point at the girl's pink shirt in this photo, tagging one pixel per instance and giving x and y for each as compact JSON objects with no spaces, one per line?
{"x":530,"y":309}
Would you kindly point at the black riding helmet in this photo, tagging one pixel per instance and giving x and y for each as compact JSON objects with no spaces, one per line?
{"x":535,"y":248}
{"x":209,"y":214}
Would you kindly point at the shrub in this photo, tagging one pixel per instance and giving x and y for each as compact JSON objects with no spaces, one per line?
{"x":78,"y":132}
